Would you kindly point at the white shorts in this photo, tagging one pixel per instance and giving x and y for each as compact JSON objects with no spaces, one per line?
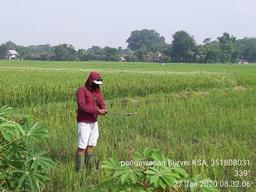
{"x":88,"y":134}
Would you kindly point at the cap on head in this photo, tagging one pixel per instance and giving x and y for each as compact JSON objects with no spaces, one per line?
{"x":94,"y":78}
{"x":98,"y":81}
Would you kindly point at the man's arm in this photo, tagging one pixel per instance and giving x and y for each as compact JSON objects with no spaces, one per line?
{"x":101,"y":102}
{"x":80,"y":98}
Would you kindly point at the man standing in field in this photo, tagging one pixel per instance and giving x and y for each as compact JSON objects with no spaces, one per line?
{"x":90,"y":104}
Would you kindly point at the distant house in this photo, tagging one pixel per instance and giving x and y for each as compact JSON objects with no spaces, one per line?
{"x":122,"y":58}
{"x":154,"y":56}
{"x":242,"y":61}
{"x":12,"y":54}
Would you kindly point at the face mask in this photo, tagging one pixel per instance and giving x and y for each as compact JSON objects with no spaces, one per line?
{"x":94,"y":86}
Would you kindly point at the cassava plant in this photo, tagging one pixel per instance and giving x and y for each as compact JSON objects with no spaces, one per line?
{"x":23,"y":167}
{"x":149,"y":171}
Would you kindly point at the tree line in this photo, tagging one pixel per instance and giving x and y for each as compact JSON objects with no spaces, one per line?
{"x":147,"y":45}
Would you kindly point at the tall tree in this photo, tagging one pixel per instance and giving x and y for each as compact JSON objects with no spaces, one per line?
{"x":37,"y":52}
{"x":95,"y":53}
{"x":207,"y":40}
{"x":183,"y":48}
{"x":229,"y":51}
{"x":212,"y":52}
{"x":65,"y":52}
{"x":247,"y":49}
{"x":111,"y":54}
{"x":148,"y":40}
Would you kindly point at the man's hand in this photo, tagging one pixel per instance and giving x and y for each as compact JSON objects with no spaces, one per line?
{"x":102,"y":111}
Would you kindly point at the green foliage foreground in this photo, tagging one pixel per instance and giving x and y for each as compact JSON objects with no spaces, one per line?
{"x":148,"y":171}
{"x":22,"y":166}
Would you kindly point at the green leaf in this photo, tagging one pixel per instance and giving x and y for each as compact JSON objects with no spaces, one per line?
{"x":182,"y":172}
{"x":156,"y":155}
{"x":118,"y":173}
{"x":37,"y":133}
{"x":147,"y":152}
{"x":140,"y":173}
{"x":154,"y":180}
{"x":133,"y":177}
{"x":138,"y":156}
{"x":32,"y":183}
{"x":149,"y":172}
{"x":38,"y":160}
{"x":40,"y":178}
{"x":169,"y":180}
{"x":162,"y":184}
{"x":124,"y":177}
{"x":9,"y":131}
{"x":111,"y":164}
{"x":21,"y":181}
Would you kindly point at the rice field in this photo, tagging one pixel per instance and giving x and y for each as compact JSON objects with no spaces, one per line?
{"x":188,"y":111}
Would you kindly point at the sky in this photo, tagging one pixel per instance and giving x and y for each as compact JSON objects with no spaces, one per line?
{"x":84,"y":23}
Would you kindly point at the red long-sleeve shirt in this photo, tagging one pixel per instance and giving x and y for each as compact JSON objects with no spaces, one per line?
{"x":88,"y":101}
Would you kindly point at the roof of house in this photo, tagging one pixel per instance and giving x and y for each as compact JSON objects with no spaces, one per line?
{"x":12,"y":52}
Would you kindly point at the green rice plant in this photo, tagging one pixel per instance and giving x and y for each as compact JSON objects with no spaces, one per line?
{"x":28,"y":88}
{"x":186,"y":110}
